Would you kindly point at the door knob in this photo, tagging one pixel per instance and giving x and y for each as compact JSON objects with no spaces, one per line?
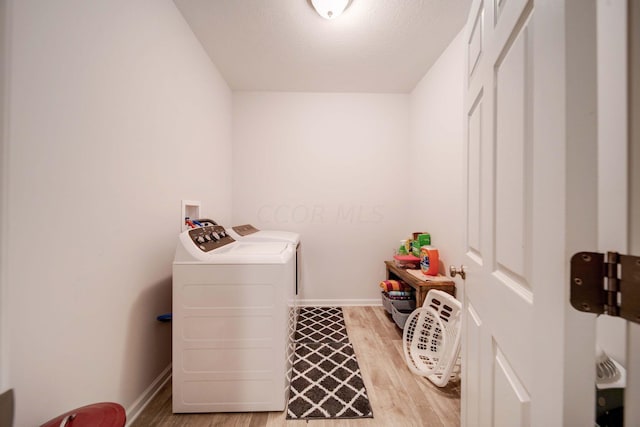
{"x":462,"y":272}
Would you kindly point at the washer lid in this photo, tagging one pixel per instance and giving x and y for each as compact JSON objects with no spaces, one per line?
{"x":267,"y":236}
{"x":235,"y":253}
{"x":251,"y":253}
{"x":253,"y":248}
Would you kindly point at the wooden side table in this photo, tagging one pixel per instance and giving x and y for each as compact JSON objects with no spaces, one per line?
{"x":422,"y":287}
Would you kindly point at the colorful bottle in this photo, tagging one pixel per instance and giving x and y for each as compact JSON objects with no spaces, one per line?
{"x":429,"y":261}
{"x":415,"y":249}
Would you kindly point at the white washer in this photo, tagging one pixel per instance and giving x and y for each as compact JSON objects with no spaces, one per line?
{"x":231,"y":322}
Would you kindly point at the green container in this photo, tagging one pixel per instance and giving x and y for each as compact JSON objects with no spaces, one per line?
{"x":424,"y":240}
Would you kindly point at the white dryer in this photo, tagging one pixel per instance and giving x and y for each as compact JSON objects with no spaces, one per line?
{"x":231,"y":322}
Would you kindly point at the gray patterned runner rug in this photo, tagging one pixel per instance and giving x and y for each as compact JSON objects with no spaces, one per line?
{"x":326,"y":381}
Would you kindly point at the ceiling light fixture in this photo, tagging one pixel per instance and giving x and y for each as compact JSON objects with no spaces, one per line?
{"x":330,"y":9}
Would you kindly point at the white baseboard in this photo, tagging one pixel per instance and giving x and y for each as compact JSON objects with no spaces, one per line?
{"x":339,"y":302}
{"x":141,"y":402}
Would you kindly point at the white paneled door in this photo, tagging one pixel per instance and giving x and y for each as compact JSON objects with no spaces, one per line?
{"x":522,"y":113}
{"x":499,"y":289}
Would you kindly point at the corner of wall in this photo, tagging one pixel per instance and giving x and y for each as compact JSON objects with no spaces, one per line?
{"x":136,"y":408}
{"x":437,"y":151}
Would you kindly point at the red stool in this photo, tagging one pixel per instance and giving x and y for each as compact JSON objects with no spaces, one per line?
{"x":103,"y":414}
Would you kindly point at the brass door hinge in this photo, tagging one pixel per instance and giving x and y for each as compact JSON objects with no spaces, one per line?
{"x":608,"y":286}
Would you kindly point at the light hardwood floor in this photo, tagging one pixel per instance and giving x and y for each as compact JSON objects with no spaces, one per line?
{"x":398,"y":398}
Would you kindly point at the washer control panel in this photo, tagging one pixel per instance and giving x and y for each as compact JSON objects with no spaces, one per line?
{"x":211,"y":237}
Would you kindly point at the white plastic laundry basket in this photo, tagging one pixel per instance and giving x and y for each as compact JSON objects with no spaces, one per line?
{"x":431,"y":338}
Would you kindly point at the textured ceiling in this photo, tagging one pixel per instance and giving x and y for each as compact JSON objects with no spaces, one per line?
{"x":376,"y":46}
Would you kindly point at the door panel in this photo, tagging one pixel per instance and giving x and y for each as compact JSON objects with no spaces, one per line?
{"x":473,"y":180}
{"x":511,"y":400}
{"x":498,"y":7}
{"x":475,"y":41}
{"x":472,"y":366}
{"x":512,"y":297}
{"x":512,"y":180}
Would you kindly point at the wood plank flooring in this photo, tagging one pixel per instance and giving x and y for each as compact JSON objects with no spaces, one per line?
{"x":398,"y":397}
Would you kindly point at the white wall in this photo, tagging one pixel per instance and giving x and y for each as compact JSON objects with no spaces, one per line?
{"x":116,"y":114}
{"x":354,"y":174}
{"x":333,"y":167}
{"x":436,"y":163}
